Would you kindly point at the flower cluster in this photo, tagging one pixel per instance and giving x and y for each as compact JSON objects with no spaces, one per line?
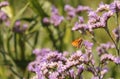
{"x":72,"y":12}
{"x":3,"y":15}
{"x":98,"y":21}
{"x":59,"y":65}
{"x":55,"y":18}
{"x":19,"y":28}
{"x":53,"y":64}
{"x":116,"y":33}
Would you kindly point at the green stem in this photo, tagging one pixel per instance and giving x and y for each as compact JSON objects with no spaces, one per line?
{"x":107,"y":30}
{"x":52,"y":38}
{"x":15,"y":45}
{"x":22,"y":46}
{"x":117,"y":24}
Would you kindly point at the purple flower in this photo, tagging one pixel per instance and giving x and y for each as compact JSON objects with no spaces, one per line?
{"x":18,"y":28}
{"x":70,"y":11}
{"x":39,"y":73}
{"x":103,"y":72}
{"x":103,"y":7}
{"x":80,"y":69}
{"x":116,"y":33}
{"x":106,"y":57}
{"x":82,"y":8}
{"x":88,"y":44}
{"x":68,"y":8}
{"x":105,"y":17}
{"x":54,"y":75}
{"x":72,"y":73}
{"x":95,"y":77}
{"x":79,"y":26}
{"x":54,"y":19}
{"x":41,"y":52}
{"x":46,"y":21}
{"x":115,"y":6}
{"x":117,"y":60}
{"x":3,"y":16}
{"x":4,"y":3}
{"x":103,"y":48}
{"x":93,"y":17}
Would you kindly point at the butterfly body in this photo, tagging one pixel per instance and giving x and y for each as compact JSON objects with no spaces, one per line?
{"x":77,"y":43}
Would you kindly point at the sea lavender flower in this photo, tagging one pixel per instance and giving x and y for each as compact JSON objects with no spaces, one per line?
{"x":106,"y":57}
{"x":103,"y":72}
{"x":88,"y":44}
{"x":46,"y":21}
{"x":105,"y":17}
{"x":103,"y":7}
{"x":41,"y":52}
{"x":93,"y":17}
{"x":54,"y":75}
{"x":70,"y":11}
{"x":115,"y":6}
{"x":103,"y":48}
{"x":95,"y":77}
{"x":81,"y":8}
{"x":18,"y":28}
{"x":3,"y":17}
{"x":55,"y":65}
{"x":117,"y":60}
{"x":116,"y":33}
{"x":80,"y":25}
{"x":54,"y":19}
{"x":3,"y":4}
{"x":80,"y":69}
{"x":94,"y":20}
{"x":72,"y":73}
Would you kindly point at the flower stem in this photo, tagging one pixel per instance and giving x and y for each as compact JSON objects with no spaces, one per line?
{"x":107,"y":30}
{"x":117,"y":24}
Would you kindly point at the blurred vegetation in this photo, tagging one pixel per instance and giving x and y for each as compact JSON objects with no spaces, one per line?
{"x":18,"y":48}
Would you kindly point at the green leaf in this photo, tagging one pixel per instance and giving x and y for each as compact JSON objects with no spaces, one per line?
{"x":19,"y":14}
{"x":37,"y":8}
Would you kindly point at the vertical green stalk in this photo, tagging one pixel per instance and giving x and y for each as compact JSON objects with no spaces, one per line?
{"x":8,"y":44}
{"x":15,"y":45}
{"x":108,"y":32}
{"x":22,"y":46}
{"x":117,"y":24}
{"x":52,"y":38}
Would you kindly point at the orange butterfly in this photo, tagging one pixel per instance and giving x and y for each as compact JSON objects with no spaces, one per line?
{"x":77,"y":43}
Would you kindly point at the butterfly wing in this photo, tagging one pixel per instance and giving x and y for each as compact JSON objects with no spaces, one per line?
{"x":77,"y":42}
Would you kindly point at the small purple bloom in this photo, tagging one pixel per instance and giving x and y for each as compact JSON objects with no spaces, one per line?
{"x":70,"y":11}
{"x":54,"y":19}
{"x":80,"y":69}
{"x":117,"y":60}
{"x":4,"y":3}
{"x":106,"y":57}
{"x":46,"y":20}
{"x":82,"y":8}
{"x":103,"y":7}
{"x":3,"y":16}
{"x":68,"y":8}
{"x":116,"y":33}
{"x":19,"y":28}
{"x":54,"y":75}
{"x":88,"y":44}
{"x":72,"y":73}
